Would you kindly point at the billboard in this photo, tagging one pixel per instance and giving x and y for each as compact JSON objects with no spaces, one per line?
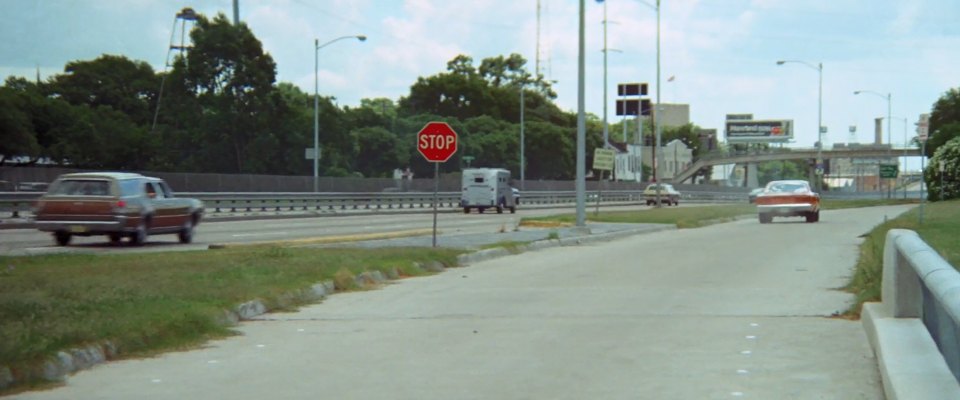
{"x":765,"y":131}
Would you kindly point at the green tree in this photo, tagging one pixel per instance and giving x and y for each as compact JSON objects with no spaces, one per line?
{"x":232,"y":79}
{"x":492,"y":142}
{"x":103,"y":138}
{"x":378,"y":152}
{"x":551,"y":151}
{"x":944,"y":120}
{"x":17,"y":135}
{"x":947,"y":186}
{"x":112,"y":81}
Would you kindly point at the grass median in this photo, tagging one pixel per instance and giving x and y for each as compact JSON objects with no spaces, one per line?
{"x":940,"y":229}
{"x":152,"y":302}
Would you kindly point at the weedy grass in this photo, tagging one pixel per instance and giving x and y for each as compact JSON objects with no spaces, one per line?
{"x":682,"y":217}
{"x":695,"y":216}
{"x":146,"y":303}
{"x":940,"y":229}
{"x":836,"y":204}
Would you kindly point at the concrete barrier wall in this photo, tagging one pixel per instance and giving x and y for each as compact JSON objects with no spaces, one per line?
{"x":913,"y":331}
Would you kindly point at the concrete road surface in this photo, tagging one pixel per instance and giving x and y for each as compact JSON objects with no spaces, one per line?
{"x":738,"y":310}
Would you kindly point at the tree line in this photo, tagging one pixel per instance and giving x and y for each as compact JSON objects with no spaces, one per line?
{"x":219,"y":109}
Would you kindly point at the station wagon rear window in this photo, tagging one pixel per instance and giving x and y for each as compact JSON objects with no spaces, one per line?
{"x":82,"y":187}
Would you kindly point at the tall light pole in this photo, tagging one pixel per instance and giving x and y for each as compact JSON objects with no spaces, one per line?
{"x":316,"y":103}
{"x":889,"y":123}
{"x":819,"y":68}
{"x":581,"y":183}
{"x":657,"y":108}
{"x":522,"y":140}
{"x":606,"y":133}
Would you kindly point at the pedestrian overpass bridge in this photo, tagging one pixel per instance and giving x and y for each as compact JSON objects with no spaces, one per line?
{"x":712,"y":159}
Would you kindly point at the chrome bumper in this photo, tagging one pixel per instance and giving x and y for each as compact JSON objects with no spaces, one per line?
{"x":118,"y":224}
{"x":786,"y":209}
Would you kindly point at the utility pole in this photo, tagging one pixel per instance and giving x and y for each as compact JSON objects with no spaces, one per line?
{"x":606,"y":134}
{"x":236,"y":12}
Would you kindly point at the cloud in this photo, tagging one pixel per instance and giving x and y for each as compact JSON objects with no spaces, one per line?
{"x":908,"y":14}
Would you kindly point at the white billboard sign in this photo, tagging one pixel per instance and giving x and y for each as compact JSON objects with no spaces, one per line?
{"x":760,"y":131}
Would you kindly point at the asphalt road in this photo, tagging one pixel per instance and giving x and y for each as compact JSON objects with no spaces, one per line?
{"x":736,"y":310}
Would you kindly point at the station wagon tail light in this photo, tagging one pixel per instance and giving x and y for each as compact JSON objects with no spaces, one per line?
{"x":121,"y":204}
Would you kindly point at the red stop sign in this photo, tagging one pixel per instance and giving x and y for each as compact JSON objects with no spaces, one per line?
{"x":437,"y":142}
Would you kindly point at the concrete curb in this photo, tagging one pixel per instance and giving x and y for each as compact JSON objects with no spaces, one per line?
{"x":910,"y":364}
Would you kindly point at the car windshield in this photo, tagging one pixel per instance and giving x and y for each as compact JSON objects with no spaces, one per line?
{"x":81,"y":187}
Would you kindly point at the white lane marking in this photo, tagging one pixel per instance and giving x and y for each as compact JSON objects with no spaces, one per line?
{"x":260,"y":346}
{"x":736,"y":394}
{"x":742,"y":372}
{"x":156,"y":381}
{"x":754,"y":324}
{"x":212,"y":362}
{"x":746,"y":352}
{"x":750,"y":337}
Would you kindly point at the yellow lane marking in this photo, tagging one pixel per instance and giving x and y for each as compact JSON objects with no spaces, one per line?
{"x":545,"y":224}
{"x":332,"y":239}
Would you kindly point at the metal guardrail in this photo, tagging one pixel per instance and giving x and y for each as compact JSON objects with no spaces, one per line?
{"x":19,"y":204}
{"x":918,"y":283}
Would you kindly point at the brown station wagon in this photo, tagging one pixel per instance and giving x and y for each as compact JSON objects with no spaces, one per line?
{"x":117,"y":205}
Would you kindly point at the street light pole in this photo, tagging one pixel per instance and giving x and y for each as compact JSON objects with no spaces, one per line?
{"x":819,"y":68}
{"x":522,"y":161}
{"x":581,"y":183}
{"x":606,"y":134}
{"x":659,"y":151}
{"x":316,"y":103}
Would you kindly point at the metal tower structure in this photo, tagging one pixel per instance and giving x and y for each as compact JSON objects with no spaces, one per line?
{"x":186,"y":16}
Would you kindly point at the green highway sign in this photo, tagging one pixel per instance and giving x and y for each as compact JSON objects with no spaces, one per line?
{"x":888,"y":171}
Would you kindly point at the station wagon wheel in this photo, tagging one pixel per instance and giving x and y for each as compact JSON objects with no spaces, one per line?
{"x":186,"y":234}
{"x":115,"y":237}
{"x":62,"y":238}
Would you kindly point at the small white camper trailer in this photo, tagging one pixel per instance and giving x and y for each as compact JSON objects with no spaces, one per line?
{"x":487,"y":188}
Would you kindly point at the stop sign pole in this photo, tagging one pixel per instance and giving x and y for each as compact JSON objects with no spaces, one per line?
{"x":437,"y":142}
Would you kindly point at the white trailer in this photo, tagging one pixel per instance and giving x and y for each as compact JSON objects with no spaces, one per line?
{"x":487,"y":188}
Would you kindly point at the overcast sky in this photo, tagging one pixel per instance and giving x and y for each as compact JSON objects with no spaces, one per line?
{"x":722,"y":53}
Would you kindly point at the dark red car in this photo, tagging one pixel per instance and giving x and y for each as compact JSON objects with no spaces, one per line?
{"x":117,"y":205}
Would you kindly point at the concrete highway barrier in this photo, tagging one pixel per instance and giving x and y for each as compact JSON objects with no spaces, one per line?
{"x":914,"y":330}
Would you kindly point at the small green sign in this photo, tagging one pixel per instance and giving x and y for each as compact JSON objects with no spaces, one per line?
{"x":888,"y":171}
